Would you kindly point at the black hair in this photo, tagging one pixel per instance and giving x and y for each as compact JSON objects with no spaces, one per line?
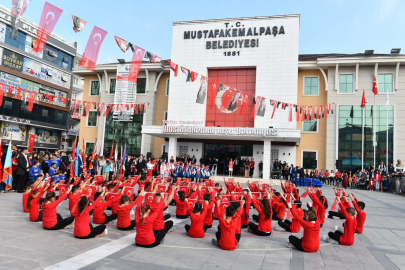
{"x":82,"y":204}
{"x":124,"y":199}
{"x":266,"y":208}
{"x":361,"y":205}
{"x":230,"y":211}
{"x":277,"y":194}
{"x":298,"y":203}
{"x":119,"y":189}
{"x":110,"y":186}
{"x":30,"y":197}
{"x":324,"y":201}
{"x":235,"y":205}
{"x":182,"y":196}
{"x":197,"y":208}
{"x":207,"y":197}
{"x":311,"y":214}
{"x":351,"y":211}
{"x":74,"y":188}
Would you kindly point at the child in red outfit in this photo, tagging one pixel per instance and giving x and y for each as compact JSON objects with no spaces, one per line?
{"x":347,"y":237}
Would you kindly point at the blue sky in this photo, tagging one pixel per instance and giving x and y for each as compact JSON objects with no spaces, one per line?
{"x":334,"y":26}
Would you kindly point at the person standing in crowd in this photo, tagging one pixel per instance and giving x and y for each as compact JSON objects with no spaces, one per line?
{"x":230,"y":167}
{"x":140,"y":165}
{"x":332,"y":178}
{"x":302,"y":176}
{"x":64,"y":162}
{"x":128,"y":164}
{"x":14,"y":162}
{"x":101,"y":163}
{"x":247,"y":167}
{"x":22,"y":170}
{"x":287,"y":170}
{"x":252,"y":167}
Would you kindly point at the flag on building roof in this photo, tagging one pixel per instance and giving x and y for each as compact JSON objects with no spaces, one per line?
{"x":153,"y":58}
{"x":78,"y":24}
{"x":173,"y":67}
{"x":187,"y":72}
{"x":7,"y":177}
{"x":49,"y":18}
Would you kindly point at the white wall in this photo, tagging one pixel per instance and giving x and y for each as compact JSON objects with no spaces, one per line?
{"x":290,"y":159}
{"x":257,"y":158}
{"x":276,"y":62}
{"x":194,"y":146}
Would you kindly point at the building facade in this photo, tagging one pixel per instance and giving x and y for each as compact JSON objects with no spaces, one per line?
{"x":48,"y":73}
{"x":152,"y":89}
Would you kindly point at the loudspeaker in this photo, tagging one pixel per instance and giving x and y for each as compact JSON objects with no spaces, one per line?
{"x":339,"y":165}
{"x":314,"y":163}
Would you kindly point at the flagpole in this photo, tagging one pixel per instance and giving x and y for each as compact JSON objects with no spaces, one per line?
{"x":374,"y":138}
{"x":362,"y":140}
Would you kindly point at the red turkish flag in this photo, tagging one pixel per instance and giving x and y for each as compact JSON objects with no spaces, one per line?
{"x":2,"y":86}
{"x":142,"y":107}
{"x":214,"y":89}
{"x":136,"y":64}
{"x":363,"y":100}
{"x":136,"y":109}
{"x":194,"y":76}
{"x":31,"y":143}
{"x":245,"y":101}
{"x":107,"y":110}
{"x":10,"y":89}
{"x":274,"y":108}
{"x":256,"y":107}
{"x":31,"y":101}
{"x":174,"y":67}
{"x":226,"y":99}
{"x":90,"y":55}
{"x":49,"y":18}
{"x":100,"y":109}
{"x":375,"y":86}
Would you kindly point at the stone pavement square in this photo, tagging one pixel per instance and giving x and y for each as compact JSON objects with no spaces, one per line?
{"x":26,"y":245}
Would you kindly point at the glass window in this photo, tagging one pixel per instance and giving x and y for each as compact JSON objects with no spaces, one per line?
{"x":89,"y":148}
{"x":94,"y":88}
{"x":308,"y":158}
{"x":167,"y":87}
{"x":385,"y":83}
{"x":92,"y":119}
{"x":65,"y":60}
{"x":112,"y":86}
{"x":141,"y":86}
{"x":346,"y":83}
{"x":350,"y":135}
{"x":311,"y":86}
{"x":19,"y":43}
{"x":310,"y":126}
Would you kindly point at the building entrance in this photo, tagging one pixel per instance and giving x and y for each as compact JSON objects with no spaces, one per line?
{"x":221,"y":154}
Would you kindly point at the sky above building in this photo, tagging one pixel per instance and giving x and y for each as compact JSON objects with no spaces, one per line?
{"x":334,"y":26}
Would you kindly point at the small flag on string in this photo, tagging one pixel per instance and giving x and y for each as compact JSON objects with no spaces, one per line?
{"x":274,"y":108}
{"x":174,"y":67}
{"x":187,"y":72}
{"x":49,"y":18}
{"x":31,"y":101}
{"x":262,"y":108}
{"x":245,"y":101}
{"x":202,"y":92}
{"x":100,"y":109}
{"x":78,"y":24}
{"x":290,"y":113}
{"x":136,"y":108}
{"x":214,"y":89}
{"x":194,"y":76}
{"x":121,"y":43}
{"x":153,"y":58}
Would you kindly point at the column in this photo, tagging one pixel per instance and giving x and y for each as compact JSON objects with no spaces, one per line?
{"x":172,"y":152}
{"x":266,"y":159}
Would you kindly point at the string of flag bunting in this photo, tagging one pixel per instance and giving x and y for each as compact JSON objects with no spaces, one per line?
{"x":49,"y":18}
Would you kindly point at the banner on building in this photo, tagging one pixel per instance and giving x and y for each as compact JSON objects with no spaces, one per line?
{"x":48,"y":136}
{"x":13,"y":130}
{"x":125,"y":94}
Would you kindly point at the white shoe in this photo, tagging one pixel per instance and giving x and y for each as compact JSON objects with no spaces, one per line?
{"x":335,"y":217}
{"x":331,"y":241}
{"x":280,"y":229}
{"x":100,"y":235}
{"x":2,"y":191}
{"x":289,"y":245}
{"x":70,"y":226}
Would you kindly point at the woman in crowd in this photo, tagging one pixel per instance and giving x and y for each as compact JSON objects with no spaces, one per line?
{"x":51,"y":220}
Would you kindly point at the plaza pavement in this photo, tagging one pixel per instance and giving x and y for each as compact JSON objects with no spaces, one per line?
{"x":26,"y":245}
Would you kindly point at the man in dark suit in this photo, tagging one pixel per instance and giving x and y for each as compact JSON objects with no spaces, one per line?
{"x":302,"y":176}
{"x":64,"y":162}
{"x":234,"y":102}
{"x":193,"y":160}
{"x":22,"y":170}
{"x":128,"y":164}
{"x":140,"y":165}
{"x":262,"y":109}
{"x":81,"y":163}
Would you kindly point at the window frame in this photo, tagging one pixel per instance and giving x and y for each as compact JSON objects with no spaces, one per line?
{"x":88,"y":117}
{"x":99,"y":89}
{"x":142,"y":94}
{"x":303,"y":86}
{"x":353,"y":83}
{"x":167,"y":89}
{"x":86,"y":142}
{"x":302,"y":157}
{"x":392,"y":86}
{"x":310,"y":132}
{"x":109,"y":87}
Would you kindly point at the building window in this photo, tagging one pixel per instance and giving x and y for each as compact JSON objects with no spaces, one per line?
{"x":310,"y":126}
{"x":350,"y":135}
{"x":309,"y":159}
{"x":141,"y":86}
{"x":167,"y":87}
{"x":311,"y":86}
{"x":19,"y":43}
{"x":89,"y":148}
{"x":164,"y":115}
{"x":385,"y":83}
{"x":92,"y":119}
{"x":112,"y":86}
{"x":346,"y":83}
{"x":94,"y":88}
{"x":65,"y":60}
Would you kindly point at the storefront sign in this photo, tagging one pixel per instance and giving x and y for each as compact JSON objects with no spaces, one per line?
{"x":46,"y":136}
{"x":220,"y":130}
{"x":73,"y":132}
{"x":12,"y":60}
{"x":29,"y":44}
{"x":234,"y":31}
{"x":2,"y":32}
{"x":47,"y":73}
{"x":55,"y":93}
{"x":18,"y":132}
{"x":171,"y":122}
{"x":125,"y":94}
